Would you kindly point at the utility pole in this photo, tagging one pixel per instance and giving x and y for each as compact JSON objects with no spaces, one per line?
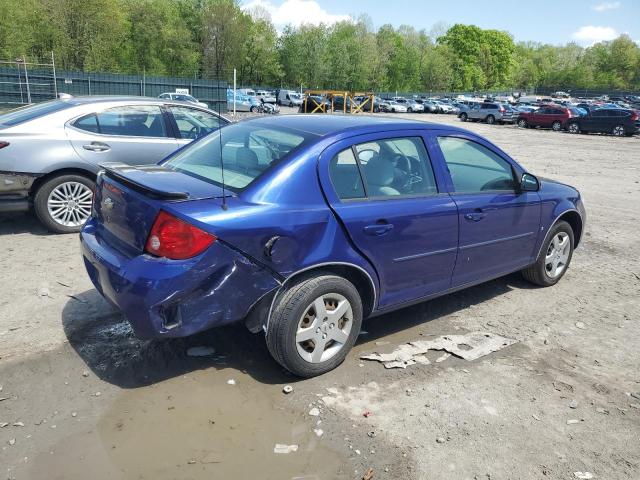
{"x":55,"y":80}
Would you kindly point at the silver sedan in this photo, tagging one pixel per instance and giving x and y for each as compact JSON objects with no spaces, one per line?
{"x":50,"y":152}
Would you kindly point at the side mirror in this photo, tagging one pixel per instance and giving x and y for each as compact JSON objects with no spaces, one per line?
{"x":529,"y":183}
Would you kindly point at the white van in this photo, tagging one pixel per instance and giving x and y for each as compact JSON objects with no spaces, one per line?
{"x":289,"y":98}
{"x":529,"y":99}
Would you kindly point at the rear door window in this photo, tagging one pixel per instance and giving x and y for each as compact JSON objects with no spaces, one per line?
{"x":133,"y":121}
{"x":345,"y":175}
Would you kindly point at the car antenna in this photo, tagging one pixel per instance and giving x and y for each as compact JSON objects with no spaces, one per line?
{"x":224,"y":195}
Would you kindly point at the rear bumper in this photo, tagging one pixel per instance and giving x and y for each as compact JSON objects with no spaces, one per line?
{"x":171,"y":298}
{"x":14,"y":191}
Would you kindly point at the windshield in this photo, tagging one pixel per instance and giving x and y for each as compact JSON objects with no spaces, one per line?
{"x":247,"y":151}
{"x":24,"y":114}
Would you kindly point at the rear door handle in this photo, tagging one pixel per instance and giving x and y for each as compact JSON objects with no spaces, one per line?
{"x":378,"y":229}
{"x":97,"y":147}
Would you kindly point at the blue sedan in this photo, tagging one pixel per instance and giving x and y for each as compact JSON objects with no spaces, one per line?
{"x":301,"y":226}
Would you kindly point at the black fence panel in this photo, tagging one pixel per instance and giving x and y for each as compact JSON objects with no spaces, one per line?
{"x":18,"y":86}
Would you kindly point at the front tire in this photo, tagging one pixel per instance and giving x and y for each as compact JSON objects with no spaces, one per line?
{"x":556,"y":126}
{"x":63,"y":203}
{"x":314,"y":324}
{"x":522,"y":123}
{"x":555,"y":256}
{"x":463,"y":117}
{"x":619,"y":131}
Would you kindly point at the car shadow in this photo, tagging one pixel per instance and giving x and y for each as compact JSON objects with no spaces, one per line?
{"x":12,"y":223}
{"x":106,"y":343}
{"x":425,"y":312}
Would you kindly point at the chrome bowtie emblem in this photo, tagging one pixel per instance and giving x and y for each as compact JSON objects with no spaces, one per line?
{"x":107,"y":204}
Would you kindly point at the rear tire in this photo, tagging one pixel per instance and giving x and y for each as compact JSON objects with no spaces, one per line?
{"x":296,"y":317}
{"x":46,"y":204}
{"x":573,"y":128}
{"x":491,"y":119}
{"x":539,"y":273}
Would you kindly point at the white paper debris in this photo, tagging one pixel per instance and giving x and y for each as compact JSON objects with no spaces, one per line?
{"x":471,"y":346}
{"x":282,"y":448}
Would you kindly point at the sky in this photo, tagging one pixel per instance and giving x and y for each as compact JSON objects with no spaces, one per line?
{"x":548,"y":21}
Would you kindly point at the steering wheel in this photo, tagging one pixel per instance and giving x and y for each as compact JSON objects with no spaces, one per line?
{"x":409,"y":178}
{"x":194,"y":132}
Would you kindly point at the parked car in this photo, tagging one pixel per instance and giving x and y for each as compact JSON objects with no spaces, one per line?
{"x":490,"y":112}
{"x":289,"y":98}
{"x":445,"y":107}
{"x":265,"y":96}
{"x":279,"y":244}
{"x":431,"y":107}
{"x":554,"y":117}
{"x":393,"y":107}
{"x":182,"y":97}
{"x":410,"y":104}
{"x":244,"y":102}
{"x":50,"y":152}
{"x":615,"y":121}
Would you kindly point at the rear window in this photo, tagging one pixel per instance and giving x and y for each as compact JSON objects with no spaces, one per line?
{"x":247,"y":151}
{"x":31,"y":112}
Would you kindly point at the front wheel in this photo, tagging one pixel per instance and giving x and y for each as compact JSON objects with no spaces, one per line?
{"x":314,"y":324}
{"x":554,"y":257}
{"x":556,"y":126}
{"x":619,"y":131}
{"x":522,"y":123}
{"x":63,"y":203}
{"x":463,"y":117}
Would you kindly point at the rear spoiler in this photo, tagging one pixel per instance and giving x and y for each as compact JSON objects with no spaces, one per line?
{"x":130,"y":175}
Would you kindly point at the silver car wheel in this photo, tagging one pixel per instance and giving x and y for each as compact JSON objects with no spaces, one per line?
{"x":618,"y":130}
{"x":557,"y":255}
{"x":69,"y":204}
{"x":324,"y":328}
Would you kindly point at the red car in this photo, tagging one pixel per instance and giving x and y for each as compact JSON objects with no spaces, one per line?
{"x":555,"y":117}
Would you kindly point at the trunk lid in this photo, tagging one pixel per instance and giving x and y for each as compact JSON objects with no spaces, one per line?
{"x":128,"y":199}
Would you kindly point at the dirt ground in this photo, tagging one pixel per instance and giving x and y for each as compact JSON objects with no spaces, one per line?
{"x":82,"y":398}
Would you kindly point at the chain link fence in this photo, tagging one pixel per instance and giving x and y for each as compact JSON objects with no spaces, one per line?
{"x":23,"y":82}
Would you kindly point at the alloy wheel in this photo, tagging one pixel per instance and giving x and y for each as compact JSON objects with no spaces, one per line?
{"x":574,"y":128}
{"x":556,"y":126}
{"x":522,"y":123}
{"x":618,"y":130}
{"x":69,"y":204}
{"x":324,"y":328}
{"x":557,"y":255}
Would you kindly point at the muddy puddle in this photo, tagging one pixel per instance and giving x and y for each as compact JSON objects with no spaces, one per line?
{"x":164,"y":415}
{"x":193,"y":426}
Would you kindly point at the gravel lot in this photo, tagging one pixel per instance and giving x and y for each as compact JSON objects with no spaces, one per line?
{"x":79,"y":394}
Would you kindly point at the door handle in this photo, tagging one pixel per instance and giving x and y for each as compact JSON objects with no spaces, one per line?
{"x":378,"y":229}
{"x":475,"y":216}
{"x":97,"y":147}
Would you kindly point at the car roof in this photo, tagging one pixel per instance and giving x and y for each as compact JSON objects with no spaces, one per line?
{"x":111,"y":98}
{"x":324,"y":125}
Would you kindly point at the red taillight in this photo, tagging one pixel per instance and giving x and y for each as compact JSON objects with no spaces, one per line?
{"x":176,"y":239}
{"x":634,"y":116}
{"x":502,"y":110}
{"x":4,"y":144}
